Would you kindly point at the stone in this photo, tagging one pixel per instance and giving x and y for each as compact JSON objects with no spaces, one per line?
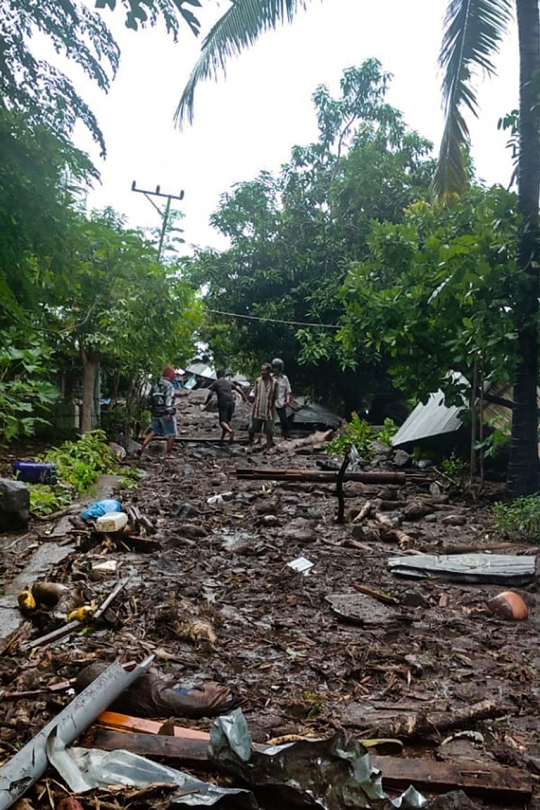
{"x":14,"y":505}
{"x":412,"y":598}
{"x":402,"y":459}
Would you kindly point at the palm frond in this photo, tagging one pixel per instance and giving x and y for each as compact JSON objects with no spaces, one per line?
{"x":473,"y":30}
{"x":236,"y":30}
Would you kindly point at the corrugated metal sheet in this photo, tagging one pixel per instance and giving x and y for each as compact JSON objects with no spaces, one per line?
{"x":435,"y":418}
{"x":432,"y":419}
{"x":202,"y":370}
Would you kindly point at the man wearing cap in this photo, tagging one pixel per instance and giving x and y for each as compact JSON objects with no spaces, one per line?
{"x":283,"y":394}
{"x":163,"y":410}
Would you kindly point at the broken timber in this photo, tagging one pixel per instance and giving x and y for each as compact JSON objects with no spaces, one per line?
{"x":490,"y":780}
{"x":275,"y":474}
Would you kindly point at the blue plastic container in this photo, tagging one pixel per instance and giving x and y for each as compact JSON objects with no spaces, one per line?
{"x":35,"y":472}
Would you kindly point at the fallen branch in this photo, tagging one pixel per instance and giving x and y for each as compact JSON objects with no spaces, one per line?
{"x":385,"y":598}
{"x":422,"y":724}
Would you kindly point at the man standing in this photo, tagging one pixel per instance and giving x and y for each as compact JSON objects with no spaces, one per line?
{"x":162,"y":409}
{"x":263,"y":412}
{"x":224,"y":389}
{"x":283,"y":395}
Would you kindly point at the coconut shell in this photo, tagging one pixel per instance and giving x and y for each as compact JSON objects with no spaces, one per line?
{"x":508,"y":605}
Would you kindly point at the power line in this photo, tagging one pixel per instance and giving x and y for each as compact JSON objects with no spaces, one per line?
{"x":274,"y":320}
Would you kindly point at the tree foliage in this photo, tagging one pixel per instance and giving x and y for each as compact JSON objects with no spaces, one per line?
{"x":294,"y":234}
{"x":433,"y":294}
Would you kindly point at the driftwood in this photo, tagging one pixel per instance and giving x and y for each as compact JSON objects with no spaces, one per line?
{"x":275,"y":474}
{"x":421,"y":723}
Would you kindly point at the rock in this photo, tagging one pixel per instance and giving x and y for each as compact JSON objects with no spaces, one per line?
{"x":412,"y":598}
{"x":402,"y":459}
{"x":454,"y":520}
{"x":431,"y":518}
{"x":455,"y":800}
{"x":416,"y":510}
{"x":358,"y":532}
{"x":117,"y":451}
{"x":183,"y":510}
{"x":424,"y":463}
{"x":268,"y":521}
{"x":154,"y":450}
{"x":14,"y":505}
{"x":193,"y":531}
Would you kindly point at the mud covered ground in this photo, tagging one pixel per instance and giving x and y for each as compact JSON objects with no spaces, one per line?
{"x":299,"y":667}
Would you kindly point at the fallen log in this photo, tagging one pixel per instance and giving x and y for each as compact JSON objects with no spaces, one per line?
{"x":276,"y":474}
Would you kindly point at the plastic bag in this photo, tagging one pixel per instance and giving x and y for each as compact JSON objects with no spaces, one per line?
{"x":100,"y":508}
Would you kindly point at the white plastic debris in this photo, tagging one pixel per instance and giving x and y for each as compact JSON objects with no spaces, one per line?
{"x":111,"y":522}
{"x":301,"y":565}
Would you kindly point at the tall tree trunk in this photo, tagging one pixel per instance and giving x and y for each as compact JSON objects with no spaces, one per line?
{"x":90,"y":368}
{"x":523,"y":467}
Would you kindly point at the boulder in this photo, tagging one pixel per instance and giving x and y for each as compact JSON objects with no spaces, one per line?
{"x":14,"y":505}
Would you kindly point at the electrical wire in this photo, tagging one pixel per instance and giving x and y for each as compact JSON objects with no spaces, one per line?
{"x":274,"y":320}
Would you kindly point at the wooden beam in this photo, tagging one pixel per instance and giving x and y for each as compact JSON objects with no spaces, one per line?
{"x":487,"y":779}
{"x":301,"y":476}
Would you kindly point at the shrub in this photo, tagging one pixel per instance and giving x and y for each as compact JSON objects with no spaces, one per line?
{"x":81,"y":462}
{"x":356,"y":433}
{"x":520,"y":519}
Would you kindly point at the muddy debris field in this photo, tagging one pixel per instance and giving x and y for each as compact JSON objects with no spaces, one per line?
{"x":348,"y":644}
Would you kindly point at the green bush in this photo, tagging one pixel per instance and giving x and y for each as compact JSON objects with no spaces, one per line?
{"x":81,"y":462}
{"x":356,"y":433}
{"x":45,"y":500}
{"x":520,"y":519}
{"x":389,"y":429}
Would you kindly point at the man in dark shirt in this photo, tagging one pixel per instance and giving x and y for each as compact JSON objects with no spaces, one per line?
{"x":224,"y":388}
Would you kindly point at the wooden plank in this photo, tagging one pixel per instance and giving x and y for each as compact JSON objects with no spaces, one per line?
{"x":486,"y":779}
{"x":489,"y":780}
{"x":123,"y":722}
{"x":182,"y":750}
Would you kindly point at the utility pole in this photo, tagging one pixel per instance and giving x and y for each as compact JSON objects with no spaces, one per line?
{"x":163,"y":214}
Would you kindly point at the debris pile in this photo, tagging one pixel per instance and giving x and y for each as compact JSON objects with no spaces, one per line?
{"x":410,"y":630}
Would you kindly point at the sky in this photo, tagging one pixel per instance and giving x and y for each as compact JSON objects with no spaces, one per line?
{"x":249,"y":121}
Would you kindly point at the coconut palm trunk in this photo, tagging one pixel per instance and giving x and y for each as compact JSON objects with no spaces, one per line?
{"x":523,"y":467}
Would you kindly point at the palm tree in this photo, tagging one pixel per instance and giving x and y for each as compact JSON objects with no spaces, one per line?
{"x":473,"y":30}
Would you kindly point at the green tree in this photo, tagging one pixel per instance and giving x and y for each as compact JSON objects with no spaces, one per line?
{"x":115,"y":303}
{"x":431,"y":295}
{"x":472,"y":36}
{"x":294,"y":234}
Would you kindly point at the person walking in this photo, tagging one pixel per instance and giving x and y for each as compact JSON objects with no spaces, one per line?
{"x":224,"y":388}
{"x":264,"y":402}
{"x":163,"y":410}
{"x":283,"y":395}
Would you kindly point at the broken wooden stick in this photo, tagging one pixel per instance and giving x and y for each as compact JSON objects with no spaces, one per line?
{"x":385,"y":598}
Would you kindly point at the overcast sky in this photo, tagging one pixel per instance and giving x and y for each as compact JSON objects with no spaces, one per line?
{"x":250,"y":120}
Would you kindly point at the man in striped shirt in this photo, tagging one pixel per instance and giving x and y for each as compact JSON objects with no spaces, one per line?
{"x":263,"y":413}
